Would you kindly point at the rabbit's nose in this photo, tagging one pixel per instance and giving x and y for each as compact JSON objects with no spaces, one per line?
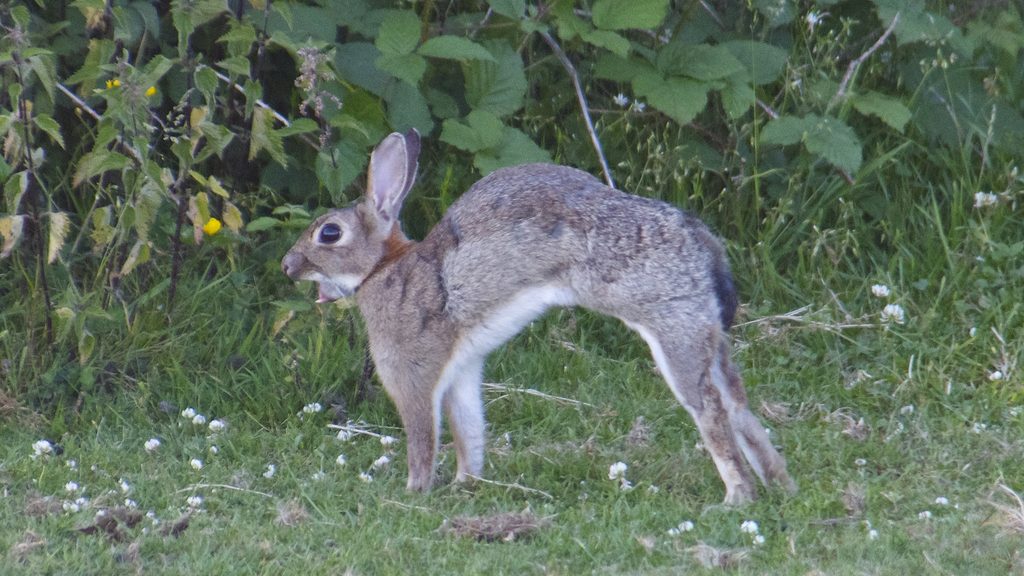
{"x":290,"y":264}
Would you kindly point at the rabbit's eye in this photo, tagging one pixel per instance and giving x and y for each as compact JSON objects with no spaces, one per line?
{"x":330,"y":234}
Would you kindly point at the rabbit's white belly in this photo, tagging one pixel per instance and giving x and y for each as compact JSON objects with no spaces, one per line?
{"x":497,"y":327}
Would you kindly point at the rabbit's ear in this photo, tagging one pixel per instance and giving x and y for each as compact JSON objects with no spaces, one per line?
{"x":393,"y":167}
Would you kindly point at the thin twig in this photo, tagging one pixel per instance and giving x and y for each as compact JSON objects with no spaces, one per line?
{"x":537,"y":393}
{"x":515,"y":485}
{"x":194,"y":487}
{"x":354,"y":429}
{"x":584,"y":107}
{"x":277,"y":116}
{"x":855,"y":64}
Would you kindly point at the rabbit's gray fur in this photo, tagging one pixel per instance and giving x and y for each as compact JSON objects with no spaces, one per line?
{"x":520,"y":241}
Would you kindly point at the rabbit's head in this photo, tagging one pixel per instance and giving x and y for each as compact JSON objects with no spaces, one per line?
{"x":343,"y":247}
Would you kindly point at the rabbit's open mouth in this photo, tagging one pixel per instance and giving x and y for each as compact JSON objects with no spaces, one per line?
{"x":329,"y":292}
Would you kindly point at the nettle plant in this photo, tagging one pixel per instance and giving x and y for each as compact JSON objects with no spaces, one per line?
{"x":132,"y":130}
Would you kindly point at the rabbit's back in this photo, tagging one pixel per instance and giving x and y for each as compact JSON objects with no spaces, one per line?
{"x":547,"y":225}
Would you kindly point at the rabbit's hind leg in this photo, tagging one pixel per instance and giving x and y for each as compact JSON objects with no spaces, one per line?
{"x":464,"y":407}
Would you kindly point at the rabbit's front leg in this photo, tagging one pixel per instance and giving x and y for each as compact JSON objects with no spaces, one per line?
{"x":465,"y":409}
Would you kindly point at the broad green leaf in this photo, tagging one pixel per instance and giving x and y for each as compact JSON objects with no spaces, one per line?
{"x":680,"y":98}
{"x":916,"y":22}
{"x":338,"y":167}
{"x":625,"y":14}
{"x":86,"y":340}
{"x":608,"y":40}
{"x":737,"y":96}
{"x":239,"y":38}
{"x":60,"y":224}
{"x":96,"y":163}
{"x":232,"y":217}
{"x":45,"y":69}
{"x":139,"y":255}
{"x":199,"y":214}
{"x":619,"y":69}
{"x":481,"y":130}
{"x":764,"y":62}
{"x":787,"y":130}
{"x":147,"y":204}
{"x":399,"y":33}
{"x":497,"y":87}
{"x":700,"y":61}
{"x":513,"y":9}
{"x":570,"y":26}
{"x":407,"y":108}
{"x":262,"y":224}
{"x":515,"y":148}
{"x":454,"y":48}
{"x":355,"y":63}
{"x":299,"y":126}
{"x":237,"y":65}
{"x":47,"y":124}
{"x":14,"y":190}
{"x":886,"y":108}
{"x":836,"y":142}
{"x":407,"y":67}
{"x":264,"y":137}
{"x":207,"y":83}
{"x":102,"y":232}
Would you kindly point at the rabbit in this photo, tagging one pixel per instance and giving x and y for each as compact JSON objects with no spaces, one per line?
{"x":520,"y":241}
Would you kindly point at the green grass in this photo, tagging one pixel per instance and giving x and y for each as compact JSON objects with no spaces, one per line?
{"x":878,"y":420}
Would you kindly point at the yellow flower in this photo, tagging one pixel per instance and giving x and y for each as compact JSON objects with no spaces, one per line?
{"x":212,"y":226}
{"x":115,"y":83}
{"x":151,"y":91}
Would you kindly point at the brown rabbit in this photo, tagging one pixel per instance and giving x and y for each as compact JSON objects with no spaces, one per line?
{"x":520,"y":241}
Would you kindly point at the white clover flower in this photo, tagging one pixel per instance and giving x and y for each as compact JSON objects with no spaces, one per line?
{"x":621,"y":100}
{"x":152,"y":444}
{"x":973,"y":331}
{"x":381,"y":462}
{"x":880,"y":291}
{"x":312,"y":408}
{"x":996,"y":375}
{"x":860,"y":462}
{"x":925,"y":515}
{"x":750,"y":527}
{"x":344,"y":435}
{"x":194,"y":501}
{"x":907,"y":410}
{"x":673,"y":531}
{"x":872,"y":534}
{"x":699,"y":446}
{"x":365,"y":477}
{"x":625,"y":485}
{"x":196,"y":463}
{"x":652,"y":489}
{"x":129,"y":503}
{"x":639,"y":106}
{"x":685,"y":526}
{"x":213,"y":449}
{"x":41,"y":448}
{"x":199,"y":419}
{"x":341,"y":460}
{"x":388,"y":442}
{"x":893,"y":313}
{"x":979,"y":427}
{"x":319,"y":475}
{"x":942,"y":501}
{"x":71,"y":486}
{"x":70,"y":507}
{"x":270,"y":471}
{"x":217,"y":425}
{"x":151,"y":514}
{"x":758,"y":539}
{"x":985,"y":199}
{"x":188,"y":413}
{"x":73,"y":464}
{"x":617,"y":471}
{"x":124,"y":485}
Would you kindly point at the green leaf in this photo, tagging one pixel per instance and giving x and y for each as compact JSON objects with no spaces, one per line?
{"x":484,"y":130}
{"x":299,"y":126}
{"x":97,"y":162}
{"x":608,"y":40}
{"x":886,"y":108}
{"x":764,"y":62}
{"x":399,"y":33}
{"x":916,"y":23}
{"x":207,"y":83}
{"x":407,"y":108}
{"x":786,"y":130}
{"x":700,"y":61}
{"x":513,"y":9}
{"x":264,"y":137}
{"x":836,"y":142}
{"x":147,"y":204}
{"x":47,"y":124}
{"x":355,"y":63}
{"x":11,"y":229}
{"x":60,"y":224}
{"x":776,"y":12}
{"x":454,"y":48}
{"x":680,"y":98}
{"x":407,"y":67}
{"x":237,"y":65}
{"x":737,"y":96}
{"x":338,"y":167}
{"x":262,"y":224}
{"x":499,"y":86}
{"x":619,"y":69}
{"x":515,"y":148}
{"x":625,"y":14}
